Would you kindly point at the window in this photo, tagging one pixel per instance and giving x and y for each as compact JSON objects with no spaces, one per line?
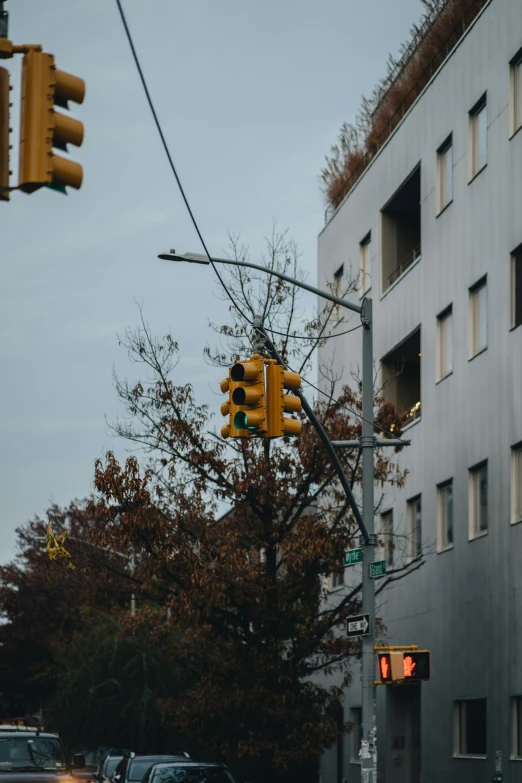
{"x":414,"y":527}
{"x":387,"y":544}
{"x":401,"y":376}
{"x":445,"y":343}
{"x":356,"y":734}
{"x":516,"y":727}
{"x":445,"y":515}
{"x":445,"y":175}
{"x":515,"y":103}
{"x":470,"y":728}
{"x":337,"y":574}
{"x":478,"y":500}
{"x":366,"y":280}
{"x":478,"y":318}
{"x":477,"y":138}
{"x":401,"y":230}
{"x":516,"y":484}
{"x":516,"y":287}
{"x":338,"y":291}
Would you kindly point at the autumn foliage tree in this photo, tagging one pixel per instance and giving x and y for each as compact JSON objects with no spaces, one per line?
{"x":41,"y":601}
{"x":238,"y":537}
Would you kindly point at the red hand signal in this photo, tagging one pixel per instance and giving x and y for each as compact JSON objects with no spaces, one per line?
{"x":385,"y":667}
{"x":409,"y":666}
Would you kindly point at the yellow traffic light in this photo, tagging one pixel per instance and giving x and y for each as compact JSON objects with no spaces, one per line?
{"x":248,"y":395}
{"x":42,"y":127}
{"x":278,"y":403}
{"x":229,"y":409}
{"x":4,"y":134}
{"x":245,"y":406}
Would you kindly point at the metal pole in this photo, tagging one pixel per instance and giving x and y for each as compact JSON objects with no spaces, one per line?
{"x":196,"y":258}
{"x":4,"y":18}
{"x":132,"y":564}
{"x":368,"y":743}
{"x":352,"y":444}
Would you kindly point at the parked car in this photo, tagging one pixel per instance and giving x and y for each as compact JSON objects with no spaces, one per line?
{"x":107,"y":768}
{"x":188,"y":772}
{"x":132,"y":768}
{"x":28,"y":755}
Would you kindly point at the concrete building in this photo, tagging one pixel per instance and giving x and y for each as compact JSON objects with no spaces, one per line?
{"x":435,"y":224}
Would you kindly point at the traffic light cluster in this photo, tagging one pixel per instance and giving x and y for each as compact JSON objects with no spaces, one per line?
{"x":404,"y":666}
{"x":43,"y":129}
{"x":256,"y":400}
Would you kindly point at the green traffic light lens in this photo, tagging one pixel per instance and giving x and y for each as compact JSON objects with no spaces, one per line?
{"x":240,"y":420}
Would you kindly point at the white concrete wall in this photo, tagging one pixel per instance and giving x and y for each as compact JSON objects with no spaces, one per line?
{"x":464,"y":604}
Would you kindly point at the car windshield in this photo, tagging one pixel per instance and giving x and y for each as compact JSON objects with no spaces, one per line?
{"x":111,"y":764}
{"x":138,"y":768}
{"x":37,"y":752}
{"x":192,"y":774}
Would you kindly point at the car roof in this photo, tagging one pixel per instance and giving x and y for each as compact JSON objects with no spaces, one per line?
{"x":189,"y":763}
{"x":12,"y":731}
{"x":159,"y":756}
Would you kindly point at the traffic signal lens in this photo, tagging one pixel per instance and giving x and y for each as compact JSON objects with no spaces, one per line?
{"x":240,"y":420}
{"x":385,"y":667}
{"x":417,"y":665}
{"x":247,"y":421}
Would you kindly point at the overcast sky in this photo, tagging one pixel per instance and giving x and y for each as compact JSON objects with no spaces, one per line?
{"x":251,"y":95}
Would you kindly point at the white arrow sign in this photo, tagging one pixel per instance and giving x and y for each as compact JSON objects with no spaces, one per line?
{"x":358,"y":626}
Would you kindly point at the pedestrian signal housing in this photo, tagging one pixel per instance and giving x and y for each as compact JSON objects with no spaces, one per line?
{"x":404,"y":666}
{"x":42,"y":128}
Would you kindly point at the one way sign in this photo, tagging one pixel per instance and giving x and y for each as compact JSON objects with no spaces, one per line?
{"x":358,"y":625}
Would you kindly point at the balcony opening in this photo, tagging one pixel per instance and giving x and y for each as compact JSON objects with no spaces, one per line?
{"x":401,"y":230}
{"x":401,"y":377}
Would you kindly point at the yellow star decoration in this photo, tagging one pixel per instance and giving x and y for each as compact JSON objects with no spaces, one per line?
{"x":55,"y":546}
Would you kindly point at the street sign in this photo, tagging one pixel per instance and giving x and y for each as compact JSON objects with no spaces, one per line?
{"x":353,"y":556}
{"x":359,"y":625}
{"x":378,"y":568}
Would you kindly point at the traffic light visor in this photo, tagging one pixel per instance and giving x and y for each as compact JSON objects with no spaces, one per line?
{"x":244,"y":371}
{"x":244,"y":420}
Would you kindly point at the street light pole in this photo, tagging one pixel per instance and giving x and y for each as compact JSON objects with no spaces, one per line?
{"x":367,"y":442}
{"x":367,"y":439}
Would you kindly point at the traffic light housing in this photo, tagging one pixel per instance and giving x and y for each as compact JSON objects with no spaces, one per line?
{"x":278,"y":403}
{"x":245,"y":407}
{"x":404,"y":666}
{"x":42,"y":128}
{"x":4,"y":134}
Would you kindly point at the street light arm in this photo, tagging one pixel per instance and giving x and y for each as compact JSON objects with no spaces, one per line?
{"x":195,"y":258}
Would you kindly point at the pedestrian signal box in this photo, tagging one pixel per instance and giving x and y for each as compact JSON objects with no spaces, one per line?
{"x":404,"y":666}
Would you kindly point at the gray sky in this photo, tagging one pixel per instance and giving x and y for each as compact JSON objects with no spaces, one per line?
{"x":251,"y":95}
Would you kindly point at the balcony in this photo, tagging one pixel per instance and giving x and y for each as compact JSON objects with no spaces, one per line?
{"x":401,"y":230}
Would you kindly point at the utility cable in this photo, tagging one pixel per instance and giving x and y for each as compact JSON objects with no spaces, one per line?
{"x":171,"y":162}
{"x":301,"y":337}
{"x":355,"y":413}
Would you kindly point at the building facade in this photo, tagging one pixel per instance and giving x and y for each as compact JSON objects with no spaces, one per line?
{"x":433,"y":229}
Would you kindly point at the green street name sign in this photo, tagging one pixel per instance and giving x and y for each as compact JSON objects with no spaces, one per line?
{"x":377,"y":568}
{"x":353,"y":556}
